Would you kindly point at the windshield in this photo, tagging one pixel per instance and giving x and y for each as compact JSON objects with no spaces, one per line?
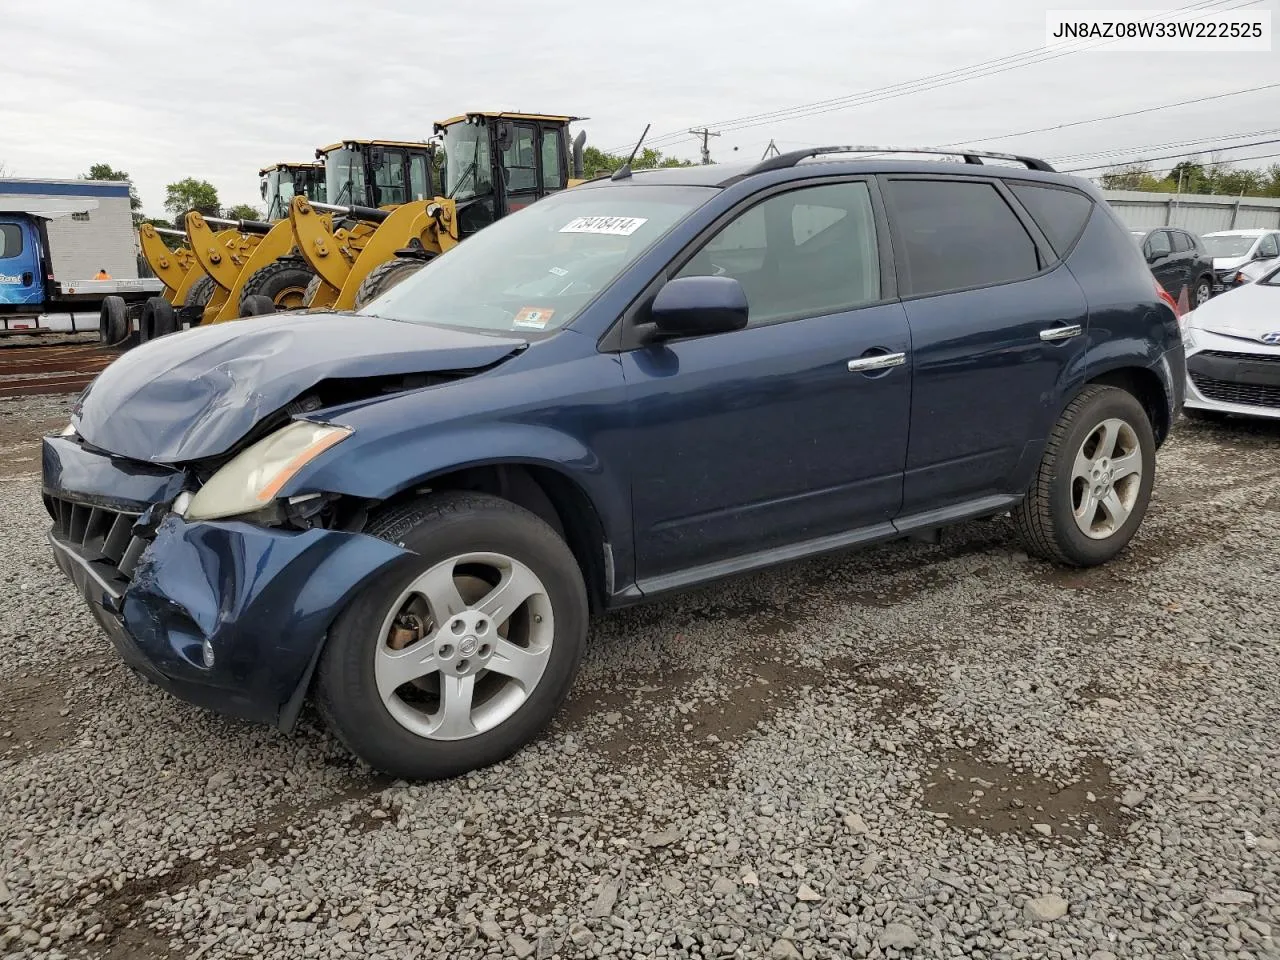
{"x":344,"y":177}
{"x":467,"y":170}
{"x":536,"y":270}
{"x":1270,"y":279}
{"x":277,"y":192}
{"x":1229,"y":245}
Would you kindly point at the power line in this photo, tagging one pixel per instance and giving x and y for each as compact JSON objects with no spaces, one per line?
{"x":1114,"y":116}
{"x":1099,"y":154}
{"x":1176,"y":156}
{"x":920,"y":85}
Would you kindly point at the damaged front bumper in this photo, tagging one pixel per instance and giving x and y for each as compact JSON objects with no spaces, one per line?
{"x":226,"y":615}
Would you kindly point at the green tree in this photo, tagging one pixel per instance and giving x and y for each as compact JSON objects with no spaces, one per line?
{"x":243,"y":211}
{"x":170,"y":241}
{"x":596,"y":161}
{"x":1134,"y":176}
{"x":104,"y":171}
{"x":191,"y":194}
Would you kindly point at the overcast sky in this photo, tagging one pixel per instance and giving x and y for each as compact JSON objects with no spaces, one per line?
{"x":216,"y":91}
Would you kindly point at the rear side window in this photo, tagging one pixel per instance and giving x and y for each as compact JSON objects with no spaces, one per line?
{"x":959,"y":234}
{"x":10,"y":240}
{"x":1181,"y":242}
{"x":1268,"y":246}
{"x":1061,"y":214}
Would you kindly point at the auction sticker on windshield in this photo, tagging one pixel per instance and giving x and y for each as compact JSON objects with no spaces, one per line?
{"x":533,"y":318}
{"x":610,"y":226}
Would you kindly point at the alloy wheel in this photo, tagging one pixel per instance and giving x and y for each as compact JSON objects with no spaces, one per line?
{"x":1106,"y":478}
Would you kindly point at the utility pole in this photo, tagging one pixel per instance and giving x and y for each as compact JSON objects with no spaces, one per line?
{"x":771,"y":151}
{"x":705,"y":134}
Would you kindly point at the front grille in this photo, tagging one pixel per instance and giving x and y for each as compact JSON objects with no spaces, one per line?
{"x":1226,"y":391}
{"x":100,"y":535}
{"x":1251,"y":357}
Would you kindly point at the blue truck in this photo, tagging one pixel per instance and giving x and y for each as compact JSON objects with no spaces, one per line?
{"x":56,"y":237}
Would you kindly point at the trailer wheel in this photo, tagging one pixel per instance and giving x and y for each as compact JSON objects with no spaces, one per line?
{"x":158,"y":318}
{"x":385,"y":276}
{"x":192,"y":312}
{"x":283,"y":282}
{"x":113,"y":321}
{"x":257,"y":305}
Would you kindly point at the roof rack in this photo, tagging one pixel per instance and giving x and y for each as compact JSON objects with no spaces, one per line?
{"x":784,"y":160}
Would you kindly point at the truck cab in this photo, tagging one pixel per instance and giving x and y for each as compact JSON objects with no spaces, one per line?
{"x":22,"y":281}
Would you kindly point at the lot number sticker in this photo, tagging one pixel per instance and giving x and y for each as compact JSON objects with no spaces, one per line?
{"x":533,"y":318}
{"x":609,"y":226}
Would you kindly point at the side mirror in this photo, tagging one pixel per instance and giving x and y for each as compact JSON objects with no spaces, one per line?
{"x":504,"y":135}
{"x":1153,"y":256}
{"x":695,"y":306}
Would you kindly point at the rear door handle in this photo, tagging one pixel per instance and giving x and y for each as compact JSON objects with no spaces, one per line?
{"x":1062,"y":333}
{"x":879,"y":361}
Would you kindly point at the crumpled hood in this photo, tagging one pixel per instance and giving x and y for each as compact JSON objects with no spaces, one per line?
{"x":1248,"y":311}
{"x":194,"y":394}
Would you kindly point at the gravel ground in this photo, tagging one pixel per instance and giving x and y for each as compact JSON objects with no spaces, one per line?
{"x":925,"y":751}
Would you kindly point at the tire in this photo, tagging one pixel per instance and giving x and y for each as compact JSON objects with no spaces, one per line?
{"x":1046,"y":518}
{"x":158,"y":319}
{"x":312,"y":289}
{"x":1202,"y":292}
{"x":113,"y":321}
{"x":256,"y":306}
{"x":385,"y":276}
{"x":392,"y":734}
{"x":283,"y":282}
{"x":191,"y":313}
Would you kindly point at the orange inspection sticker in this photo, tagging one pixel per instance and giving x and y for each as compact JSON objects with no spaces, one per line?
{"x":534,"y":318}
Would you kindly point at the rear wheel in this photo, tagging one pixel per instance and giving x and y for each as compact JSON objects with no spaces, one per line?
{"x":113,"y":321}
{"x":385,"y":276}
{"x":283,"y":282}
{"x":1094,"y":482}
{"x":158,"y":318}
{"x":462,"y":653}
{"x":191,"y":313}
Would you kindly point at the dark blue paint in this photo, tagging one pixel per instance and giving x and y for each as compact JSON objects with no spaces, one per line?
{"x":72,"y":471}
{"x":700,"y":457}
{"x":262,"y":598}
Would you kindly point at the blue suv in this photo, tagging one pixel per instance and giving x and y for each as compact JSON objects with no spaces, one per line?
{"x":642,"y":384}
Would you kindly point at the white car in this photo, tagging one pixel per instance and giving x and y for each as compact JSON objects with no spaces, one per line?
{"x":1233,"y":249}
{"x":1233,"y":352}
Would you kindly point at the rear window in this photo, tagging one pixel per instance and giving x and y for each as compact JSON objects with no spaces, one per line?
{"x":1060,"y":213}
{"x":10,"y":240}
{"x":958,"y":234}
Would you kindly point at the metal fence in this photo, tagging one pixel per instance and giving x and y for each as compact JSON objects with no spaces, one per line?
{"x":1194,"y":212}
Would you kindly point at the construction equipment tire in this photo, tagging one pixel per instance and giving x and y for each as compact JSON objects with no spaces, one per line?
{"x":192,"y":312}
{"x":312,"y":289}
{"x":113,"y":321}
{"x":385,"y":276}
{"x":258,"y":305}
{"x":283,"y":282}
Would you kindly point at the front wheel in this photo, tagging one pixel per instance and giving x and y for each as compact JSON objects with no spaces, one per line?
{"x":1094,"y":482}
{"x":1203,"y":291}
{"x":461,"y":654}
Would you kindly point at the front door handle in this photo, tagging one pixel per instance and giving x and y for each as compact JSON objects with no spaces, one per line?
{"x":1065,"y":332}
{"x":879,"y":361}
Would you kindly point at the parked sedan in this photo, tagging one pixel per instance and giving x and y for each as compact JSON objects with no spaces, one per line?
{"x":1233,"y":250}
{"x":1179,"y":262}
{"x":1233,"y":352}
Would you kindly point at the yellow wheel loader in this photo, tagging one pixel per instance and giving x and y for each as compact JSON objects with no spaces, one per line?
{"x":281,"y":182}
{"x":365,"y":180}
{"x":495,"y":163}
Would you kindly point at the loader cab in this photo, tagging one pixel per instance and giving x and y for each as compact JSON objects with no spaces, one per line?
{"x":377,"y":173}
{"x":283,"y":181}
{"x":497,"y":163}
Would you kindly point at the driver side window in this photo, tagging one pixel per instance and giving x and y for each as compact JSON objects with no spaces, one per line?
{"x":1268,"y":247}
{"x":808,"y":252}
{"x":1158,"y":245}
